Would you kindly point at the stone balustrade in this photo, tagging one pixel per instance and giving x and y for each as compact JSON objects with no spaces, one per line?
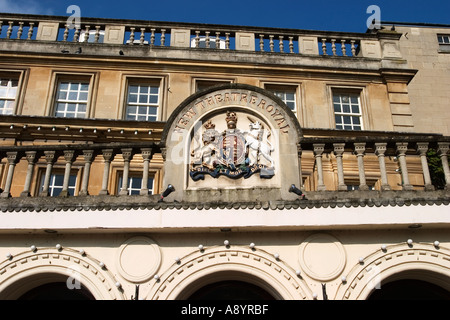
{"x":403,"y":149}
{"x":67,"y":155}
{"x":179,"y":35}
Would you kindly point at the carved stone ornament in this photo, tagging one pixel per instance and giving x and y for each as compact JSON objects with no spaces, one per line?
{"x":233,"y":152}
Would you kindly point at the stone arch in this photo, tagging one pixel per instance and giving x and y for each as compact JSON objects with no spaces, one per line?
{"x":31,"y":269}
{"x":419,"y":261}
{"x":213,"y":104}
{"x":217,"y":264}
{"x":239,"y":86}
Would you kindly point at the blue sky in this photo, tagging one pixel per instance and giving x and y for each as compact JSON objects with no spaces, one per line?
{"x":343,"y":15}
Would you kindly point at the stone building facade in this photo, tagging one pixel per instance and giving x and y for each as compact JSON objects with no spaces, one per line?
{"x":174,"y":161}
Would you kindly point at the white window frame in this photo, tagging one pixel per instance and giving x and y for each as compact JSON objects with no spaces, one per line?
{"x":350,"y":113}
{"x":52,"y":186}
{"x":444,"y":39}
{"x":137,"y":190}
{"x":140,"y":83}
{"x":69,"y":101}
{"x":281,"y":90}
{"x":7,"y":98}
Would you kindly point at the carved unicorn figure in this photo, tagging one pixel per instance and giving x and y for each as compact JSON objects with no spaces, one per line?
{"x":258,"y":144}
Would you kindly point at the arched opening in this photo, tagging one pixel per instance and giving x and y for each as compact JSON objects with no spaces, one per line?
{"x":231,"y":290}
{"x":57,"y":291}
{"x":410,"y":289}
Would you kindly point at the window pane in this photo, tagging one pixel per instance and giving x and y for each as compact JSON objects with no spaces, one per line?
{"x":83,"y":96}
{"x":290,"y":96}
{"x":355,"y":109}
{"x":81,"y":108}
{"x":133,"y":89}
{"x":143,"y":99}
{"x":347,"y":120}
{"x":153,"y":99}
{"x":346,"y":108}
{"x":152,"y":111}
{"x":12,"y":92}
{"x":64,"y":86}
{"x":73,"y":96}
{"x":132,"y":98}
{"x":154,"y":90}
{"x":143,"y":89}
{"x":74,"y":86}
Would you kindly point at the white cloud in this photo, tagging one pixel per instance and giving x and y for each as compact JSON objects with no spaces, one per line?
{"x":24,"y":6}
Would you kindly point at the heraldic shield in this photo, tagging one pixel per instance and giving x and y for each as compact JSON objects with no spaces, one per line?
{"x":233,"y":153}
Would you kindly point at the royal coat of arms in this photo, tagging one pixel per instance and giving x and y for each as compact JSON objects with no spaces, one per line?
{"x":232,"y":153}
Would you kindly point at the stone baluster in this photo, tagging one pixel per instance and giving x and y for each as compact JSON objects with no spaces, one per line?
{"x":30,"y":31}
{"x":261,"y":42}
{"x":142,"y":38}
{"x":360,"y":148}
{"x":380,"y":149}
{"x":324,"y":47}
{"x":86,"y":33}
{"x":131,"y":40}
{"x":76,"y":35}
{"x":281,"y":44}
{"x":271,"y":45}
{"x":152,"y":36}
{"x":339,"y":149}
{"x":402,"y":147}
{"x":197,"y":39}
{"x":69,"y":156}
{"x":147,"y":156}
{"x":97,"y":34}
{"x":163,"y":37}
{"x":422,"y":148}
{"x":443,"y":148}
{"x":50,"y":158}
{"x":108,"y":156}
{"x":127,"y":154}
{"x":217,"y":40}
{"x":66,"y":33}
{"x":207,"y":44}
{"x":343,"y":48}
{"x":227,"y":40}
{"x":12,"y":157}
{"x":291,"y":45}
{"x":318,"y":151}
{"x":31,"y":158}
{"x":88,"y":158}
{"x":20,"y":30}
{"x":10,"y":29}
{"x":353,"y":47}
{"x":333,"y":47}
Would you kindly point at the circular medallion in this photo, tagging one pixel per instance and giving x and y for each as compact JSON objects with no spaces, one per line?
{"x":322,"y":257}
{"x":138,"y":259}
